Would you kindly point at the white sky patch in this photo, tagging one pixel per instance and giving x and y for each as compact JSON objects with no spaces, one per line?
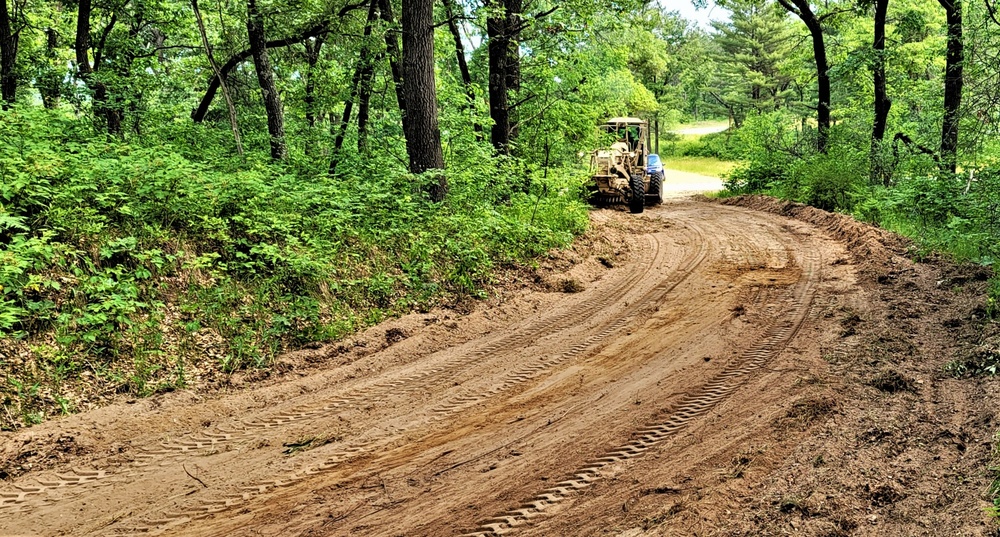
{"x":701,"y":16}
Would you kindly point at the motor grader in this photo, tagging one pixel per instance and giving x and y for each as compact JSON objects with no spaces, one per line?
{"x":623,"y":171}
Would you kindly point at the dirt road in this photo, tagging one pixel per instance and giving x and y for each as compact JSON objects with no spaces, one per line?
{"x":692,"y":363}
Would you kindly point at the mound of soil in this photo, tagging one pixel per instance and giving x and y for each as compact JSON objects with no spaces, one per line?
{"x":908,"y":449}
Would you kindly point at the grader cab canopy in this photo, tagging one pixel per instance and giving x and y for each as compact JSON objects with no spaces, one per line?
{"x":619,"y":168}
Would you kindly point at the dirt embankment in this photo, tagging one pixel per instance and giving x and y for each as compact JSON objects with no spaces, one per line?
{"x":740,"y":368}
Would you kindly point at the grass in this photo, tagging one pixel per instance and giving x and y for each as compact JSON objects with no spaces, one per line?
{"x":709,"y":166}
{"x":711,"y":123}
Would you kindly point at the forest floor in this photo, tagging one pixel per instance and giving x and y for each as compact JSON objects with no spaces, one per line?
{"x":746,"y":367}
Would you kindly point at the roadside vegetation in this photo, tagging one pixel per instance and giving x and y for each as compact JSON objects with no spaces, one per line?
{"x":908,"y":141}
{"x":136,"y":268}
{"x":185,"y":195}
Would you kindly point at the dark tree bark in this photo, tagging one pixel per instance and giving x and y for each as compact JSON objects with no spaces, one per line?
{"x":423,"y":137}
{"x":513,"y":28}
{"x":265,"y":78}
{"x":392,"y":50}
{"x":953,"y":82}
{"x":882,"y":102}
{"x":312,"y":59}
{"x":498,"y":47}
{"x":803,"y":11}
{"x":198,"y":115}
{"x":451,"y":11}
{"x":215,"y":67}
{"x":9,"y":41}
{"x":362,"y":69}
{"x":49,"y":80}
{"x":364,"y":98}
{"x":502,"y":28}
{"x":111,"y":114}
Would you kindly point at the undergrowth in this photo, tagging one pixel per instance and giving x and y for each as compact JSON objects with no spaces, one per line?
{"x":131,"y":268}
{"x":957,"y":215}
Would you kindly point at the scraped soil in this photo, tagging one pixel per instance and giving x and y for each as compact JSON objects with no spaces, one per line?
{"x":749,"y":367}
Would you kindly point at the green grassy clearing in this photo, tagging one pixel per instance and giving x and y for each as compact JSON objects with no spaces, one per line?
{"x":709,"y":166}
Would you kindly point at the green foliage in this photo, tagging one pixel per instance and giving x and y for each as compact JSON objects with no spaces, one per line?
{"x":119,"y":260}
{"x":762,"y":146}
{"x":993,"y":299}
{"x":718,"y":145}
{"x":833,"y":181}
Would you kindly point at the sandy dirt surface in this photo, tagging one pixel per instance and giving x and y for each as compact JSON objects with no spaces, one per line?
{"x":700,"y":369}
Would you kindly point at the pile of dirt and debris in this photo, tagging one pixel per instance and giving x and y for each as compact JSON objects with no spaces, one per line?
{"x":909,"y":447}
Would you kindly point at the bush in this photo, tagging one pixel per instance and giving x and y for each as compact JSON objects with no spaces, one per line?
{"x":832,"y":182}
{"x":754,"y":177}
{"x":131,"y":262}
{"x":762,"y":145}
{"x":715,"y":145}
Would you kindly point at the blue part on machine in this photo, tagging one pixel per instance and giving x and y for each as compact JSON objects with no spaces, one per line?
{"x":653,"y":164}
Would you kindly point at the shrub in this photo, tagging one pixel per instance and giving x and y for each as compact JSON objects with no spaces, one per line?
{"x":131,"y":262}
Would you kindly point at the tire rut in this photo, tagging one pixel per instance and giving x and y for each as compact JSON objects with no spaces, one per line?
{"x":693,"y":406}
{"x":24,"y":497}
{"x":440,"y":413}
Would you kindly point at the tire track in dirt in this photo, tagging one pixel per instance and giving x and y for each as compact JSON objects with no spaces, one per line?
{"x":422,"y":413}
{"x":694,"y":405}
{"x":442,"y":412}
{"x":739,"y":246}
{"x":167,"y":453}
{"x":77,"y":481}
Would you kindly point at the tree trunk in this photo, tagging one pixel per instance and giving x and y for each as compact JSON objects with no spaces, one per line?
{"x":364,"y":98}
{"x":312,"y":59}
{"x":392,"y":50}
{"x":49,"y":81}
{"x":198,"y":114}
{"x":498,"y":48}
{"x":423,"y":137}
{"x":882,"y":102}
{"x":111,"y":114}
{"x":265,"y":78}
{"x":953,"y":81}
{"x":360,"y":69}
{"x":215,"y":67}
{"x":513,"y":10}
{"x":451,"y":11}
{"x":9,"y":40}
{"x":803,"y":10}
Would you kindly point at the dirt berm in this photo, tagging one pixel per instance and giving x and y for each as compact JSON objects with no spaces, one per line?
{"x":746,"y":367}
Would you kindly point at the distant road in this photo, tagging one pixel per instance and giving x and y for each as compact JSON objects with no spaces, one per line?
{"x":678,"y":184}
{"x":702,"y":129}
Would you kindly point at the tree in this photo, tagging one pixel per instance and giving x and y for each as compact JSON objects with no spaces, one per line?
{"x":111,"y":113}
{"x":953,"y":81}
{"x":265,"y":77}
{"x":803,"y":10}
{"x":317,"y":29}
{"x":882,"y":103}
{"x":360,"y":86}
{"x":11,"y":24}
{"x":215,"y":68}
{"x":503,"y":69}
{"x":452,"y":11}
{"x":753,"y":51}
{"x":423,"y":137}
